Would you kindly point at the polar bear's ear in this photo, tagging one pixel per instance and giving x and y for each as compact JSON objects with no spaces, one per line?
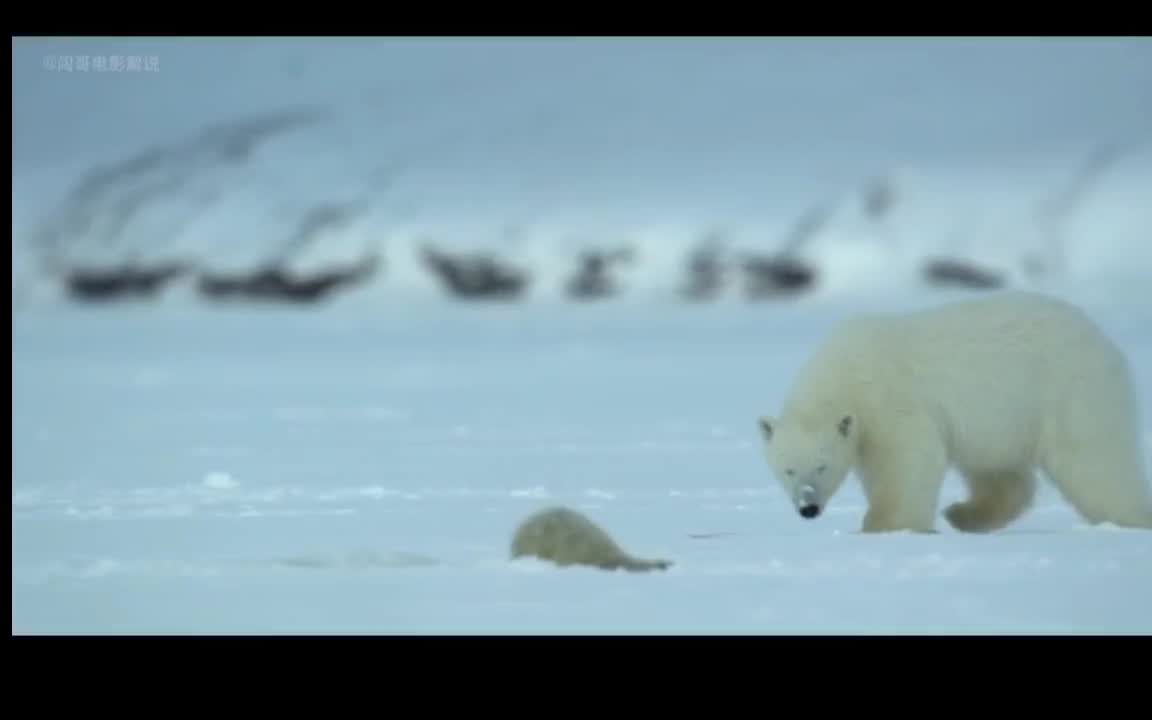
{"x":845,"y":426}
{"x":766,"y":427}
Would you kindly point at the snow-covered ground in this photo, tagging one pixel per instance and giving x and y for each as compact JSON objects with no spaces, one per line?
{"x":360,"y":466}
{"x":183,"y":471}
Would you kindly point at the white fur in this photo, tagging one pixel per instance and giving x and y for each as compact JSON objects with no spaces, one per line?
{"x":997,"y":388}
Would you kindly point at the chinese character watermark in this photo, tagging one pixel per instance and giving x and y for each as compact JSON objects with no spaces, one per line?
{"x":102,"y":63}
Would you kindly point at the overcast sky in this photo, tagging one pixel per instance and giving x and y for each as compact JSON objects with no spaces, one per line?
{"x":518,"y":121}
{"x":978,"y":92}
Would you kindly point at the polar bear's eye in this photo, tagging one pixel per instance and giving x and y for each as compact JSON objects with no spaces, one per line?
{"x":822,"y":468}
{"x":789,"y":471}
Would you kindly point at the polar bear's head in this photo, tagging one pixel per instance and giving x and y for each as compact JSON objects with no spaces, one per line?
{"x":810,"y":459}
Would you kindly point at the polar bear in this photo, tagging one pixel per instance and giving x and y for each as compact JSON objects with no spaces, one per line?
{"x":995,"y":388}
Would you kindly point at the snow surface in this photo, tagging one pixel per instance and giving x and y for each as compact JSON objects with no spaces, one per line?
{"x":182,"y":471}
{"x":360,"y":467}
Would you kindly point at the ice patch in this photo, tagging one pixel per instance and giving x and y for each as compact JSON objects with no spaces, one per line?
{"x":149,"y":378}
{"x":312,"y":562}
{"x":376,"y":492}
{"x":108,"y":567}
{"x":319,"y":414}
{"x":294,"y":414}
{"x":535,"y":492}
{"x":601,"y":494}
{"x":250,"y":512}
{"x":101,"y":511}
{"x":384,"y":414}
{"x":167,"y":511}
{"x":219,"y":451}
{"x":219,"y":481}
{"x":102,"y":567}
{"x":359,"y":560}
{"x":21,"y":498}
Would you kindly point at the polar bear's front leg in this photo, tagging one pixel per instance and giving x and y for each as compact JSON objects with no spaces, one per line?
{"x":902,"y":481}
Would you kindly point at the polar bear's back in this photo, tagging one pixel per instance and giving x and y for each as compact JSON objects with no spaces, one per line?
{"x":964,"y":345}
{"x":990,"y":371}
{"x":1017,"y":336}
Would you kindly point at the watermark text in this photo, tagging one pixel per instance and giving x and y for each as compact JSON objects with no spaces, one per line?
{"x":102,"y":63}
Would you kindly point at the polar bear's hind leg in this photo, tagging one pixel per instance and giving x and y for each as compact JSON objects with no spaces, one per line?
{"x":1093,"y":455}
{"x":1104,"y":487}
{"x":995,"y":500}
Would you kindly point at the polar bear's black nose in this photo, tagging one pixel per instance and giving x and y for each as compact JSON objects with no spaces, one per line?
{"x":810,"y":511}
